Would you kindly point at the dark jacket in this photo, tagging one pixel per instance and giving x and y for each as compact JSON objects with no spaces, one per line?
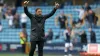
{"x":92,"y":37}
{"x":90,"y":18}
{"x":67,"y":38}
{"x":83,"y":38}
{"x":37,"y":24}
{"x":50,"y":36}
{"x":62,"y":21}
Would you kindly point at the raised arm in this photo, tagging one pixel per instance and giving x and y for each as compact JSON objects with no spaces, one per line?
{"x":26,"y":9}
{"x":56,"y":21}
{"x":53,"y":11}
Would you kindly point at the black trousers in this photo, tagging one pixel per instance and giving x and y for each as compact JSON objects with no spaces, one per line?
{"x":33,"y":47}
{"x":23,"y":48}
{"x":23,"y":25}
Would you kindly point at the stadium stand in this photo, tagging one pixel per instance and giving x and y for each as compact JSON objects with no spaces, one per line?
{"x":9,"y":35}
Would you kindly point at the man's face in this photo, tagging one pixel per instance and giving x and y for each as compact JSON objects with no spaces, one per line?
{"x":86,"y":4}
{"x":90,"y":11}
{"x":39,"y":12}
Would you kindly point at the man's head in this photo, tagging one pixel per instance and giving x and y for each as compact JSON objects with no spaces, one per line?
{"x":90,"y":11}
{"x":86,"y":4}
{"x":38,"y":11}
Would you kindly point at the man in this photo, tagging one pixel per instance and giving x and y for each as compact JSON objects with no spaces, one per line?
{"x":90,"y":19}
{"x":10,"y":17}
{"x":83,"y":36}
{"x":68,"y":44}
{"x":49,"y":36}
{"x":92,"y":36}
{"x":16,"y":20}
{"x":4,"y":10}
{"x":23,"y":20}
{"x":62,"y":18}
{"x":37,"y":27}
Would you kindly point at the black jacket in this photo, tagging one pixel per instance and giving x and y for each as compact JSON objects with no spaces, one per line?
{"x":92,"y":37}
{"x":83,"y":38}
{"x":37,"y":24}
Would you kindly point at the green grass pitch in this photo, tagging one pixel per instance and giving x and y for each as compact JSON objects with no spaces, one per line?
{"x":7,"y":54}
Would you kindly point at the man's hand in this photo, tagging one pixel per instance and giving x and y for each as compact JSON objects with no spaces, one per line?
{"x":25,"y":3}
{"x":56,"y":5}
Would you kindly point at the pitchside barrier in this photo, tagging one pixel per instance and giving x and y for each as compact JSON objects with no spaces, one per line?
{"x":48,"y":48}
{"x":92,"y":50}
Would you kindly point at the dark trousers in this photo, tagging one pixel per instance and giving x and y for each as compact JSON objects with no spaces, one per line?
{"x":93,"y":41}
{"x":33,"y":47}
{"x":23,"y":25}
{"x":23,"y":48}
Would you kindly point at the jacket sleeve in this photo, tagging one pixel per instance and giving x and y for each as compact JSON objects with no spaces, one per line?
{"x":27,"y":13}
{"x":50,"y":14}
